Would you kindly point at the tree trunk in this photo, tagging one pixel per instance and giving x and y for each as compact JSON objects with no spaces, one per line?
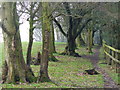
{"x":29,"y":50}
{"x":100,"y":38}
{"x":93,"y":33}
{"x":46,"y":38}
{"x":4,"y":71}
{"x":44,"y":61}
{"x":80,"y":41}
{"x":52,"y":39}
{"x":52,"y":44}
{"x":89,"y":41}
{"x":17,"y":69}
{"x":70,"y":48}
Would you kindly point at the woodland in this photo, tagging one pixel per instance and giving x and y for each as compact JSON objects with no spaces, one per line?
{"x":71,"y":45}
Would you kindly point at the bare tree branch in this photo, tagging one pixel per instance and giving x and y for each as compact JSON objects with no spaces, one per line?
{"x":60,"y":28}
{"x":81,"y":28}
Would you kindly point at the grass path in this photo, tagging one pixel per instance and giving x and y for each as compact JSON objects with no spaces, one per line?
{"x":108,"y":81}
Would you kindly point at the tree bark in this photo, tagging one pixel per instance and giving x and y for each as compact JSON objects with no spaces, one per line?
{"x":80,"y":42}
{"x":52,"y":44}
{"x":17,"y":70}
{"x":43,"y":76}
{"x":100,"y":38}
{"x":89,"y":41}
{"x":31,"y":22}
{"x":29,"y":50}
{"x":4,"y":71}
{"x":52,"y":39}
{"x":70,"y":48}
{"x":44,"y":61}
{"x":93,"y":33}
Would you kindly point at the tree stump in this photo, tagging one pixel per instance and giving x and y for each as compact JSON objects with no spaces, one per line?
{"x":36,"y":60}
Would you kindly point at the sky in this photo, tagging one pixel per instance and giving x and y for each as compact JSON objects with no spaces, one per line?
{"x":24,"y":28}
{"x":24,"y":32}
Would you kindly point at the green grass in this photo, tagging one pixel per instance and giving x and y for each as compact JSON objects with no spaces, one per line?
{"x":108,"y":68}
{"x":65,"y":73}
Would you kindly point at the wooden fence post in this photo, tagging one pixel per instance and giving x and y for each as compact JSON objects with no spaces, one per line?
{"x":116,"y":56}
{"x":104,"y":49}
{"x":112,"y":57}
{"x":118,"y":68}
{"x":113,"y":54}
{"x":109,"y":59}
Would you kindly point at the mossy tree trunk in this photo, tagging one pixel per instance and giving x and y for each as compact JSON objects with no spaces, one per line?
{"x":16,"y":69}
{"x":43,"y":76}
{"x":100,"y":38}
{"x":4,"y":71}
{"x":29,"y":49}
{"x":80,"y":42}
{"x":93,"y":34}
{"x":52,"y":44}
{"x":71,"y":46}
{"x":84,"y":36}
{"x":52,"y":39}
{"x":32,"y":21}
{"x":89,"y":40}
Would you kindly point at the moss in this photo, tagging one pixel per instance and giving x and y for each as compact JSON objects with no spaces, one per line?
{"x":44,"y":79}
{"x":53,"y":59}
{"x":31,"y":79}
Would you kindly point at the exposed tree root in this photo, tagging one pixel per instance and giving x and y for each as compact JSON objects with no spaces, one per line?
{"x":71,"y":54}
{"x":53,"y":58}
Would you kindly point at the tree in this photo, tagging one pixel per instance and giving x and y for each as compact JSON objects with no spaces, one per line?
{"x":105,"y":16}
{"x":52,"y":39}
{"x":43,"y":76}
{"x":80,"y":41}
{"x":16,"y":69}
{"x":52,"y":43}
{"x":32,"y":27}
{"x":31,"y":9}
{"x":76,"y":23}
{"x":89,"y":40}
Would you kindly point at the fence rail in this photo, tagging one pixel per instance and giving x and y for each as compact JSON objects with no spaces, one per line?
{"x":112,"y":57}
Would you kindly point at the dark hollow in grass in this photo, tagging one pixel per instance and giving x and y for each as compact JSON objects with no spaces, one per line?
{"x":103,"y":63}
{"x":92,"y":71}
